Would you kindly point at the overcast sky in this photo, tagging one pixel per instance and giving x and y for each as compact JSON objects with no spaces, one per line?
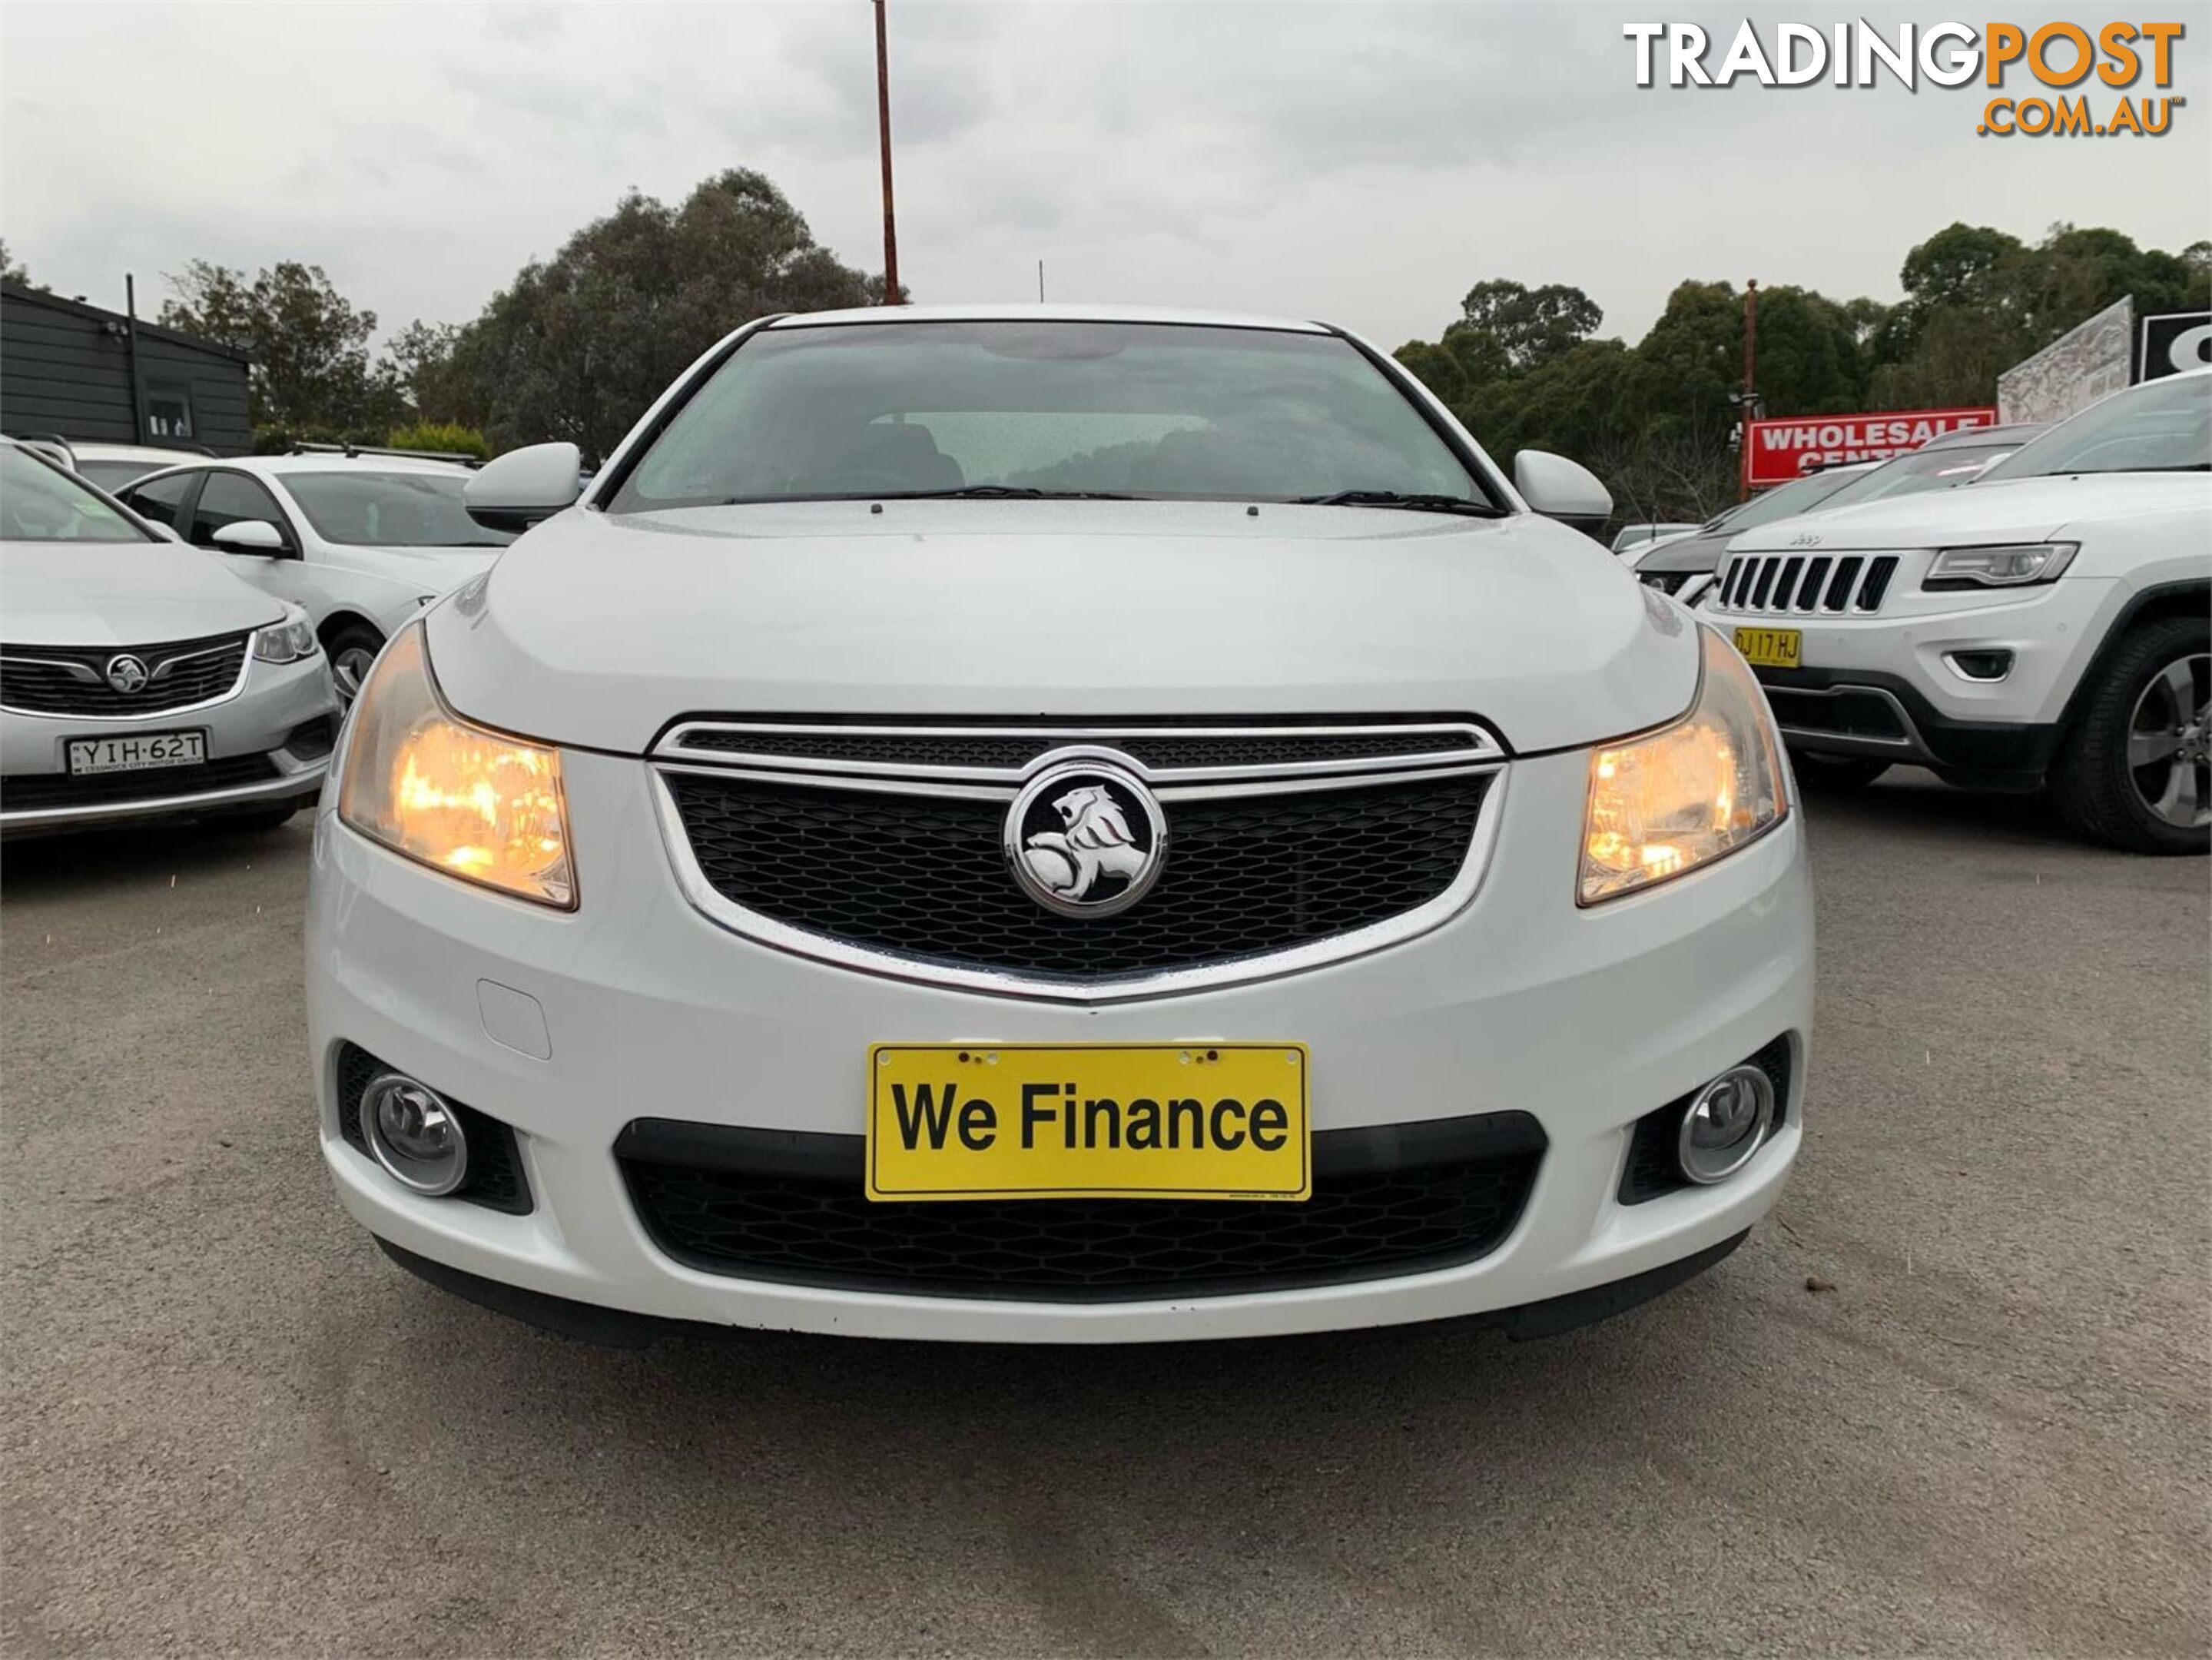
{"x":1365,"y":163}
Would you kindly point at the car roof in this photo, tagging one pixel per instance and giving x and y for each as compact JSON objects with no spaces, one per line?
{"x":1031,"y":311}
{"x":278,"y":466}
{"x":95,"y":451}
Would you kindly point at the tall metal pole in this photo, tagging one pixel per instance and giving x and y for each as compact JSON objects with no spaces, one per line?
{"x":1750,"y":377}
{"x":884,"y":128}
{"x":130,"y":347}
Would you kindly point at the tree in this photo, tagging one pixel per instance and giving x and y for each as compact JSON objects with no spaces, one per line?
{"x":10,"y":271}
{"x":309,"y":346}
{"x":1530,"y":325}
{"x":577,"y":346}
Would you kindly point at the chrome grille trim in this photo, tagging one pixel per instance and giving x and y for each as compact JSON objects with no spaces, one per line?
{"x":160,"y":667}
{"x":1478,"y":747}
{"x":1481,"y":754}
{"x":1800,"y":585}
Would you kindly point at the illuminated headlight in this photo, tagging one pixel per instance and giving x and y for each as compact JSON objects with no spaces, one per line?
{"x":287,"y":642}
{"x":1687,"y":795}
{"x":1999,"y":568}
{"x":476,"y":805}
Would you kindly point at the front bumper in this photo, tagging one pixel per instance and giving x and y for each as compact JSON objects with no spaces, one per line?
{"x":567,"y":1027}
{"x":283,"y":715}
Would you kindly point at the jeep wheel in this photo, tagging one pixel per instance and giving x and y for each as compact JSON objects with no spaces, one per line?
{"x":1836,"y":772}
{"x":2136,"y":770}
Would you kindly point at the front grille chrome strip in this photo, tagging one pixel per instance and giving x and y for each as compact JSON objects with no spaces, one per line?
{"x":1474,"y":745}
{"x":1125,"y":988}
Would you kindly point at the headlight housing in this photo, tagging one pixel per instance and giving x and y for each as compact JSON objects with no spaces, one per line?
{"x":1664,"y":804}
{"x":2013,"y":566}
{"x":474,"y":803}
{"x":287,"y":642}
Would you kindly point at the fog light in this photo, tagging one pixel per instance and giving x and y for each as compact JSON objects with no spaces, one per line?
{"x":1726,"y":1122}
{"x":414,"y":1134}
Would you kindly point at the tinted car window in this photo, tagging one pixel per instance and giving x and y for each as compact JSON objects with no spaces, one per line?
{"x":391,"y":510}
{"x":1147,"y":409}
{"x":1784,"y":501}
{"x":228,"y":498}
{"x":1922,"y":470}
{"x":112,"y":476}
{"x":42,"y":503}
{"x":162,"y":499}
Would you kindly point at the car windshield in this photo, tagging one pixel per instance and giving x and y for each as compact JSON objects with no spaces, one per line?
{"x":359,"y":509}
{"x":41,"y":503}
{"x":1921,"y":470}
{"x":2161,"y":426}
{"x":1050,"y":407}
{"x":114,"y":475}
{"x":1782,"y":501}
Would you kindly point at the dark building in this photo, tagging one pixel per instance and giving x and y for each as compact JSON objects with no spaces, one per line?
{"x":74,"y":370}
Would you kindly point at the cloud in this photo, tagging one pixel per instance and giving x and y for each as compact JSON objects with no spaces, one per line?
{"x":1364,"y":162}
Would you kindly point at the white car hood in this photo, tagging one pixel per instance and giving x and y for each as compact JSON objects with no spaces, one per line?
{"x":436,"y":571}
{"x":1981,"y":514}
{"x":598,"y":629}
{"x":122,"y":593}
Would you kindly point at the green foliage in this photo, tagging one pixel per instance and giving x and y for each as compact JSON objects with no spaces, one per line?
{"x":10,"y":271}
{"x":1655,"y":419}
{"x":577,"y":346}
{"x":308,"y":344}
{"x":449,"y":436}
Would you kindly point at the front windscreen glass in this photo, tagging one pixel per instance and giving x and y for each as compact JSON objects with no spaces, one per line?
{"x":1784,"y":501}
{"x":1921,"y":470}
{"x":1052,"y":408}
{"x":39,"y":503}
{"x":391,"y":510}
{"x":2162,"y":426}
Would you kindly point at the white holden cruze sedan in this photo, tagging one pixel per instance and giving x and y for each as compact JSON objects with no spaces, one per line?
{"x":1061,"y":825}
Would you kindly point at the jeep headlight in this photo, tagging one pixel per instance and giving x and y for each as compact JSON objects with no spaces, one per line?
{"x":2009,"y":567}
{"x":287,"y":642}
{"x":1686,"y":795}
{"x":474,"y":803}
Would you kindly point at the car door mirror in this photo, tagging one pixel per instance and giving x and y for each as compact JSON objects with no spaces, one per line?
{"x":1560,"y":488}
{"x":248,"y":536}
{"x":524,"y":486}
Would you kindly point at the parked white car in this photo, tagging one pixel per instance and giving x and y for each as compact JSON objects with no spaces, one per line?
{"x":1056,"y":825}
{"x":361,"y":541}
{"x":141,"y":679}
{"x":2043,"y":627}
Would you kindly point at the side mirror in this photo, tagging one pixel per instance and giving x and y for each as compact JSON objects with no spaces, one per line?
{"x":524,"y":486}
{"x":1560,"y":488}
{"x":249,"y":535}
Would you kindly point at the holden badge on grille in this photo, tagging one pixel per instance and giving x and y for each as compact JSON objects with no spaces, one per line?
{"x":1086,"y":839}
{"x":126,"y":673}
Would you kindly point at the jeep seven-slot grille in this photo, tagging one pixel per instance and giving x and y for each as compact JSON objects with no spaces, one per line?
{"x":925,"y":877}
{"x":1806,"y":584}
{"x":73,"y":679}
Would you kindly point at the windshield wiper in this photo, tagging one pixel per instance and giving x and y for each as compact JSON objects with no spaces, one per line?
{"x":1415,"y":503}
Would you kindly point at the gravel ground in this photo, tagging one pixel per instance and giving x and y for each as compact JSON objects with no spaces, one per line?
{"x":230,"y":1425}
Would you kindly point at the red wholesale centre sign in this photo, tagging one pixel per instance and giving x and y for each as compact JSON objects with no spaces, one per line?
{"x":1782,"y":450}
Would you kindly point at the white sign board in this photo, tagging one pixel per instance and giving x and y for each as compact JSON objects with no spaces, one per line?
{"x":2073,"y":371}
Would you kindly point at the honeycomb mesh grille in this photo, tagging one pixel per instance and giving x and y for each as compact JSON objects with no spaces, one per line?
{"x":925,"y":877}
{"x":819,"y":1230}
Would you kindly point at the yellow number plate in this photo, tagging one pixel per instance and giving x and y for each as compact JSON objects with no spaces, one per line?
{"x":1769,"y":648}
{"x":1217,"y":1120}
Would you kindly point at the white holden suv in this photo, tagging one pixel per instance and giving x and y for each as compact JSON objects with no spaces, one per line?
{"x":2044,"y":627}
{"x":1059,"y":825}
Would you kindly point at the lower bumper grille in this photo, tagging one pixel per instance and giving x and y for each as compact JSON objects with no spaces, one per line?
{"x":29,"y":792}
{"x":789,"y":1207}
{"x":1845,"y":713}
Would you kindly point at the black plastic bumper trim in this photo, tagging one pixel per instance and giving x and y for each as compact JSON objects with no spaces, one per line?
{"x":1993,"y":754}
{"x":620,"y":1328}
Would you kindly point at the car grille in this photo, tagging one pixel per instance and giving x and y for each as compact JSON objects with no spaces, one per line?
{"x":1779,"y":583}
{"x":494,"y":1181}
{"x":790,"y":1207}
{"x":29,"y":792}
{"x":73,"y":679}
{"x":925,"y":877}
